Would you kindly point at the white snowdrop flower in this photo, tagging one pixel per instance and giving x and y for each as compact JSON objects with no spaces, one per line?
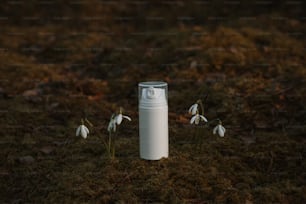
{"x":193,"y":109}
{"x":220,"y":130}
{"x":197,"y":118}
{"x":112,"y":125}
{"x":83,"y":131}
{"x":120,"y":117}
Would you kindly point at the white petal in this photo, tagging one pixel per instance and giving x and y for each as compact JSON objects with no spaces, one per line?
{"x":127,"y":117}
{"x":83,"y":132}
{"x":220,"y":131}
{"x":114,"y":126}
{"x":197,"y":120}
{"x":110,"y":126}
{"x":77,"y":133}
{"x":190,"y":109}
{"x":192,"y":119}
{"x":215,"y":130}
{"x":111,"y":123}
{"x":223,"y":129}
{"x":86,"y":129}
{"x":203,"y":118}
{"x":193,"y":109}
{"x":119,"y":119}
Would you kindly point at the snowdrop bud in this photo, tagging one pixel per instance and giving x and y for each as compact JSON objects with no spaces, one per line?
{"x":112,"y":124}
{"x":83,"y":131}
{"x":220,"y":130}
{"x":193,"y":109}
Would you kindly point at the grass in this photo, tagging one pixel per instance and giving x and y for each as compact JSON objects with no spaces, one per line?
{"x":55,"y":71}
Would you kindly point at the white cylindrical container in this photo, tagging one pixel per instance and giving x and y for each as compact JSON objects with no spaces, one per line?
{"x":153,"y":120}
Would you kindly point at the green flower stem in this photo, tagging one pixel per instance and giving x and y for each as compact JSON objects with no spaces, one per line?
{"x":107,"y":146}
{"x":113,"y":148}
{"x":198,"y":139}
{"x":202,"y":106}
{"x":113,"y":153}
{"x":109,"y":143}
{"x":114,"y":143}
{"x":217,"y":119}
{"x":86,"y":120}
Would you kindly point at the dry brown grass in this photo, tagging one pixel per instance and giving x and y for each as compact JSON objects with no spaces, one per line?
{"x":55,"y":71}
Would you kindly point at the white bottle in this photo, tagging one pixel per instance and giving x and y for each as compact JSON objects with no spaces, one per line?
{"x":153,"y":120}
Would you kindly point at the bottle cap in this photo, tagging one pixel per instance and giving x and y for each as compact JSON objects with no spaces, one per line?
{"x":152,"y":94}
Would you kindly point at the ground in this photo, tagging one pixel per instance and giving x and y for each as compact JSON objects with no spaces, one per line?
{"x":61,"y":62}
